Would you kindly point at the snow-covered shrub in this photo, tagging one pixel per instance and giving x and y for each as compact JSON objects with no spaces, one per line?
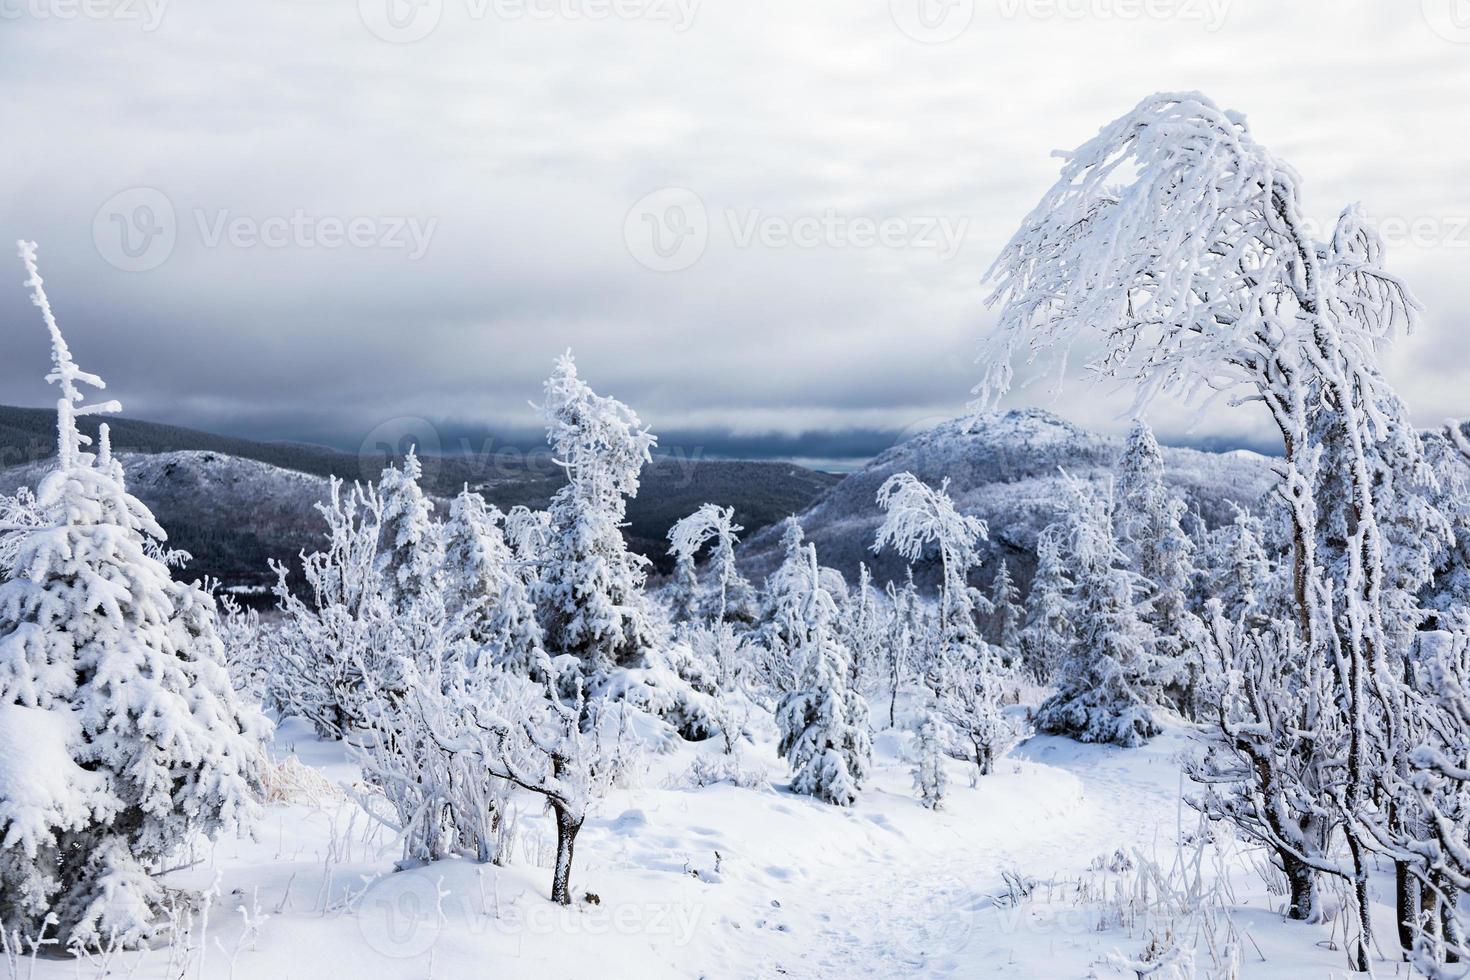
{"x":124,"y":740}
{"x":930,"y":779}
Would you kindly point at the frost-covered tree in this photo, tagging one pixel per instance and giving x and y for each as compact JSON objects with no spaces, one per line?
{"x":410,"y":552}
{"x":590,"y":597}
{"x":1277,"y":752}
{"x":862,"y":629}
{"x":903,"y":635}
{"x":682,"y":592}
{"x":930,"y":779}
{"x":112,"y":678}
{"x":1107,"y":679}
{"x":1180,"y":246}
{"x":1006,"y":612}
{"x":917,"y":517}
{"x":1148,"y":517}
{"x":1236,"y":569}
{"x":1048,"y":633}
{"x":528,"y":534}
{"x":729,"y":597}
{"x":342,"y":623}
{"x":823,"y":723}
{"x":484,"y":590}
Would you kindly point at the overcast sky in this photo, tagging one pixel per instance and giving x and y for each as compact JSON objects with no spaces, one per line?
{"x":754,"y":218}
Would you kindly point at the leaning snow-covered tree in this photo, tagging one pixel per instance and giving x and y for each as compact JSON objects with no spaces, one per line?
{"x":823,"y":722}
{"x":1108,"y":678}
{"x":590,"y":597}
{"x":111,"y":675}
{"x":729,"y":597}
{"x":1174,"y":249}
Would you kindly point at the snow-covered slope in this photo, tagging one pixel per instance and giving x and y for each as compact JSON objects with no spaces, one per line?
{"x":1005,"y":468}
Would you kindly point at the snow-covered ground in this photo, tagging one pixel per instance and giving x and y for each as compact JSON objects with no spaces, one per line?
{"x":722,"y":881}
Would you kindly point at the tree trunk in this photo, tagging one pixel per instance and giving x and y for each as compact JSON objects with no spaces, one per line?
{"x":1406,"y":897}
{"x":566,"y":839}
{"x":1302,"y":882}
{"x":1450,"y":920}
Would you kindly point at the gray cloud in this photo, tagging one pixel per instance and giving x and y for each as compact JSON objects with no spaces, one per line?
{"x":523,"y":142}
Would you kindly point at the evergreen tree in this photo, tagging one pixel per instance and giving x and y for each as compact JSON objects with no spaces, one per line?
{"x":823,"y":723}
{"x":590,"y":598}
{"x":112,"y":677}
{"x":1048,"y":632}
{"x":410,"y":552}
{"x":1006,"y":612}
{"x":1107,"y":679}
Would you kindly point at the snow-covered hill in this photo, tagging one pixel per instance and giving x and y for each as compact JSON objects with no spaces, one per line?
{"x":1005,"y":468}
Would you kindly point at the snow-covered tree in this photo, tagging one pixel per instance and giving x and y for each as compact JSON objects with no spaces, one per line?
{"x":1276,"y":752}
{"x":1175,"y":249}
{"x":729,"y":597}
{"x":1148,"y":517}
{"x":918,"y":517}
{"x":528,"y":535}
{"x":930,"y":779}
{"x":682,"y":592}
{"x":484,"y":589}
{"x":862,"y":629}
{"x":112,"y":677}
{"x":316,"y":656}
{"x":903,"y":639}
{"x":1236,"y":570}
{"x":1006,"y":612}
{"x":1048,"y":633}
{"x":1107,"y":679}
{"x":823,"y":722}
{"x":590,"y":597}
{"x":410,"y":552}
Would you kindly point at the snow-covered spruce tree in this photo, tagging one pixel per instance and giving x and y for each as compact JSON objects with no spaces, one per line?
{"x":590,"y":597}
{"x":862,"y":629}
{"x":111,"y":675}
{"x":1236,"y":570}
{"x":410,"y":551}
{"x":1107,"y":680}
{"x":1179,"y":243}
{"x":1148,"y":519}
{"x":682,"y":592}
{"x":781,"y":603}
{"x":1004,"y":622}
{"x":930,"y":779}
{"x":1276,"y":753}
{"x":1048,"y":633}
{"x":484,"y":590}
{"x":823,"y":722}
